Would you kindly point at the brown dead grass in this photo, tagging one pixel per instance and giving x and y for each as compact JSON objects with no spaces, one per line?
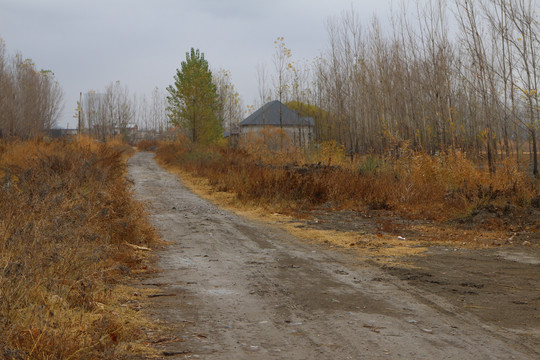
{"x":415,"y":185}
{"x":66,"y":214}
{"x":278,"y":187}
{"x":147,"y":145}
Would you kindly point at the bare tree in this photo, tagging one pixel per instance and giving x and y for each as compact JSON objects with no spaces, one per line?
{"x":142,"y":113}
{"x":158,"y":114}
{"x":524,"y":38}
{"x":118,"y":106}
{"x":30,"y":99}
{"x":282,"y":64}
{"x":263,"y":90}
{"x":109,"y":113}
{"x":93,"y":114}
{"x":230,"y":104}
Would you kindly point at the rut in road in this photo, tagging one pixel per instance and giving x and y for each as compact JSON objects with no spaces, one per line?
{"x":245,"y":290}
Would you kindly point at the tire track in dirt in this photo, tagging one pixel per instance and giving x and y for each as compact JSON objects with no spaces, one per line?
{"x":245,"y":290}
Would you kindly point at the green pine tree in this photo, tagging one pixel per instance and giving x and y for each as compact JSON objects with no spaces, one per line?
{"x":193,"y":100}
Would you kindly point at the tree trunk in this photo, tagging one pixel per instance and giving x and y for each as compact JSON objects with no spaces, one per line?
{"x":535,"y":152}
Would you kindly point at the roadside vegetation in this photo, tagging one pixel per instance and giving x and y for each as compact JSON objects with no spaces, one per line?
{"x":413,"y":185}
{"x":434,"y":118}
{"x":70,"y":236}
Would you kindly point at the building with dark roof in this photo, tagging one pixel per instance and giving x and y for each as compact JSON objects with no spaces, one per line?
{"x":278,"y":116}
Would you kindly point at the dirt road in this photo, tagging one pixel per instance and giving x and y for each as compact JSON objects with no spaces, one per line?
{"x":236,"y":289}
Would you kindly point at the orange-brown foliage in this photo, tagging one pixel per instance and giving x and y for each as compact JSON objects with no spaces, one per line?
{"x":66,"y":212}
{"x":146,"y":145}
{"x":415,"y":184}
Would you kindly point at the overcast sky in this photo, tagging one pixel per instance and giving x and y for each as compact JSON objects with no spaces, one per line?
{"x":89,"y":44}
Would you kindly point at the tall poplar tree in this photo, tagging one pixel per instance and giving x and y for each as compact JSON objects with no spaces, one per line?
{"x":193,"y":100}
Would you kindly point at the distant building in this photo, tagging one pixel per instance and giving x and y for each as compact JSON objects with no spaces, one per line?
{"x":232,"y":136}
{"x":128,"y":129}
{"x":56,"y":133}
{"x":298,"y":128}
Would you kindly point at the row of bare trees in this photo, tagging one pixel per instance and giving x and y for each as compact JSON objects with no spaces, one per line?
{"x":30,"y":99}
{"x":115,"y":111}
{"x":446,"y":74}
{"x":103,"y":114}
{"x":502,"y":45}
{"x":151,"y":114}
{"x":230,"y":106}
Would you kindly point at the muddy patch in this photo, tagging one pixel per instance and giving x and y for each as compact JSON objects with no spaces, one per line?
{"x":501,"y":287}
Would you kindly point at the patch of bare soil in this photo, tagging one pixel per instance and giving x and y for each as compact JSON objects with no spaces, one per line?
{"x":523,"y":222}
{"x":492,"y":274}
{"x":489,"y":226}
{"x":235,"y":288}
{"x":500,"y":286}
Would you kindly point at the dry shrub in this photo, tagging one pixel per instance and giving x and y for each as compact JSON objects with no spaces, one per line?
{"x":413,"y":184}
{"x":453,"y":185}
{"x":169,"y":151}
{"x":119,"y":143}
{"x":513,"y":184}
{"x":277,"y":182}
{"x":329,"y":153}
{"x":147,"y":145}
{"x":432,"y":184}
{"x":66,"y":212}
{"x":271,"y":145}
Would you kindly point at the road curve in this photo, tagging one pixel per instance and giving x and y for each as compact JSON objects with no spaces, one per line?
{"x":238,"y":289}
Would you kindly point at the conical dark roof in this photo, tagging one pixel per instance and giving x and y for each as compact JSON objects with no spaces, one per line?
{"x":268,"y":114}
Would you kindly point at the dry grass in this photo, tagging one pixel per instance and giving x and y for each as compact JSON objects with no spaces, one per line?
{"x":66,"y":214}
{"x":414,"y":185}
{"x":147,"y":145}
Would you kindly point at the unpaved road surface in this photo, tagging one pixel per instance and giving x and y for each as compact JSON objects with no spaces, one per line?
{"x":237,"y":289}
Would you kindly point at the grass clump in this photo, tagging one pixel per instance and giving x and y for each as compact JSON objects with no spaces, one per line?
{"x":66,"y":214}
